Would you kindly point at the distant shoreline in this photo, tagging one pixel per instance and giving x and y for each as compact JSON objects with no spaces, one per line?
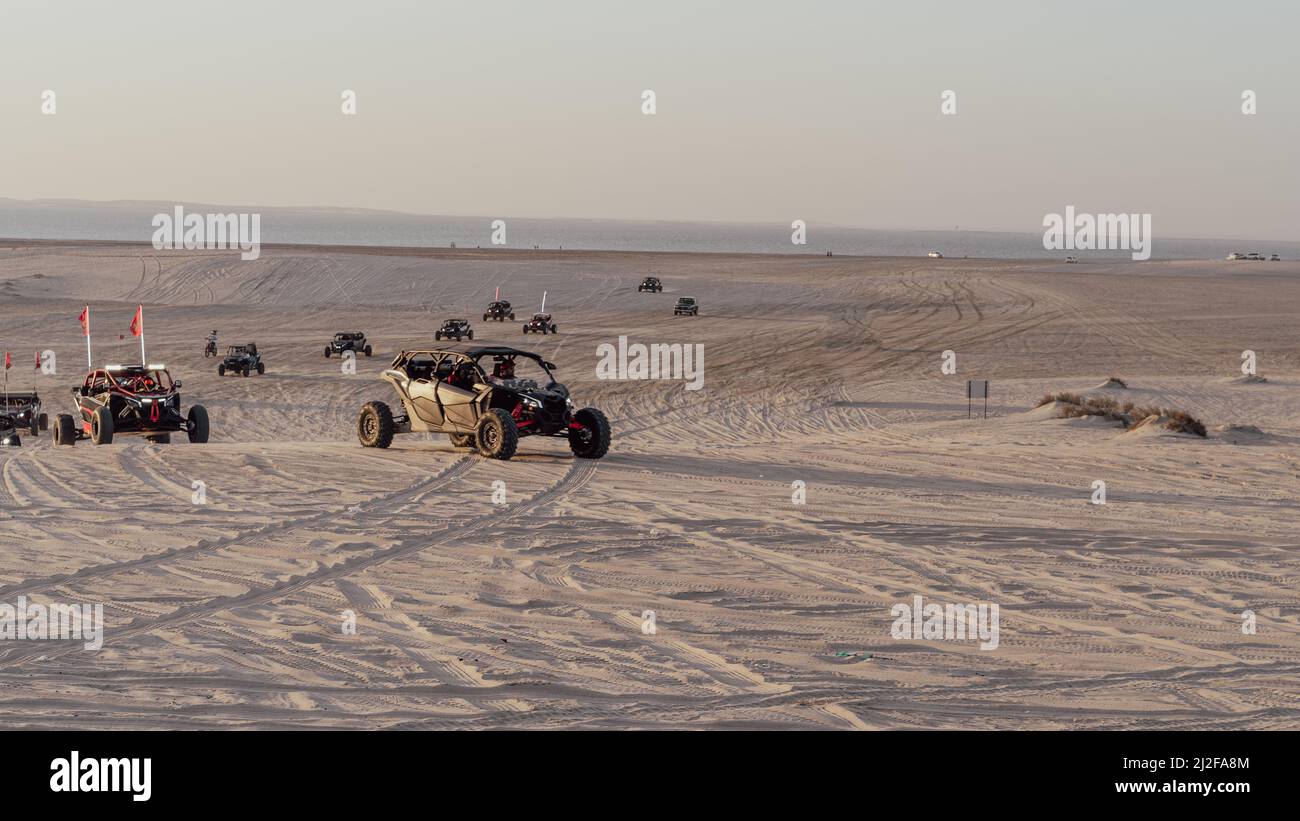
{"x":11,"y":243}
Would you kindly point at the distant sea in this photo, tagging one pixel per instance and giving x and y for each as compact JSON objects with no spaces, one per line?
{"x":59,"y":219}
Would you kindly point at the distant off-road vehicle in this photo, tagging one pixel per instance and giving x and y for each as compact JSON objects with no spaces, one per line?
{"x":499,"y":310}
{"x":345,"y":341}
{"x":241,"y":359}
{"x":540,"y":324}
{"x":9,"y":431}
{"x":448,"y":391}
{"x":456,"y":329}
{"x":25,"y":410}
{"x":650,"y":284}
{"x":129,"y":399}
{"x":686,"y":306}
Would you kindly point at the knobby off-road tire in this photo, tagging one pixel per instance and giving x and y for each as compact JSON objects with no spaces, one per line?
{"x":375,"y":425}
{"x":44,"y":421}
{"x":34,"y":426}
{"x":197,"y":427}
{"x":64,"y":431}
{"x":367,"y":350}
{"x":592,"y":442}
{"x":496,"y":436}
{"x":221,"y":369}
{"x":261,"y":368}
{"x":327,"y":353}
{"x":101,"y":426}
{"x":461,"y":440}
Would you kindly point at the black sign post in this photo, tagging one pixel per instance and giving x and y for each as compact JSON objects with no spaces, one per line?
{"x":977,"y":389}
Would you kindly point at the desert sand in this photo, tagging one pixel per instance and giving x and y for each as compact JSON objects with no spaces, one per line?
{"x":768,"y":614}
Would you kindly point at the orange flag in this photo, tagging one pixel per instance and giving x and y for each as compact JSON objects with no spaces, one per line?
{"x":137,"y":324}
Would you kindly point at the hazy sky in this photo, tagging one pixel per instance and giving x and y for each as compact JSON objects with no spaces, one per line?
{"x":767,"y":112}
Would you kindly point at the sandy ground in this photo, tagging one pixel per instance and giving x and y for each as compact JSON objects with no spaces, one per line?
{"x":768,"y":613}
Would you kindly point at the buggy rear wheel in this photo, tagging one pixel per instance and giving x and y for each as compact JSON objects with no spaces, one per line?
{"x":261,"y":368}
{"x":375,"y":426}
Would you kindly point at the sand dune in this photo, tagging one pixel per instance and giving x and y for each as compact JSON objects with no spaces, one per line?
{"x":824,"y":371}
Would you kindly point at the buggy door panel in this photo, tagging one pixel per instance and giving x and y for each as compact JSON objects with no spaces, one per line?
{"x":423,"y":393}
{"x":458,"y":405}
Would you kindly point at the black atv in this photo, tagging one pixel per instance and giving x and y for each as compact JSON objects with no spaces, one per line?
{"x":355,"y":342}
{"x":25,"y":410}
{"x":651,"y":284}
{"x":447,"y":391}
{"x":499,"y":310}
{"x":9,"y":431}
{"x":540,"y":324}
{"x":241,"y":359}
{"x":456,"y":329}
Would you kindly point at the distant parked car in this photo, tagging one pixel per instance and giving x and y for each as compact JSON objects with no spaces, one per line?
{"x":935,"y":255}
{"x":1236,"y":255}
{"x":1275,"y":258}
{"x":1256,"y":256}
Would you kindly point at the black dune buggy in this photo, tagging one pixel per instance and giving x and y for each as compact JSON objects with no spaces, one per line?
{"x":9,"y":431}
{"x":686,"y":306}
{"x":499,"y":310}
{"x":448,"y":391}
{"x":456,"y":329}
{"x":355,"y":342}
{"x":651,"y":284}
{"x":540,"y":324}
{"x":129,"y":399}
{"x":241,"y":359}
{"x":25,"y":410}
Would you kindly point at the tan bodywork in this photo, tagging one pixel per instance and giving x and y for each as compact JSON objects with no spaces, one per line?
{"x":433,"y":406}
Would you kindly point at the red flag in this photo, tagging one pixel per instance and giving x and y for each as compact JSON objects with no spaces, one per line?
{"x":8,"y":361}
{"x":137,"y":324}
{"x":38,"y":360}
{"x":84,"y":319}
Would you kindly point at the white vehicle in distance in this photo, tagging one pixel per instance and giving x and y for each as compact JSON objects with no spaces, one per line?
{"x":1275,"y":258}
{"x":1236,"y":255}
{"x":935,"y":255}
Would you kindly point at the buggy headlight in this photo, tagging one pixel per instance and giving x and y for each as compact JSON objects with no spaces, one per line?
{"x":531,"y":402}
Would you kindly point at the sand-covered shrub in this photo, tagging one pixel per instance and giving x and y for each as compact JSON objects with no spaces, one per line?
{"x":1126,"y":413}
